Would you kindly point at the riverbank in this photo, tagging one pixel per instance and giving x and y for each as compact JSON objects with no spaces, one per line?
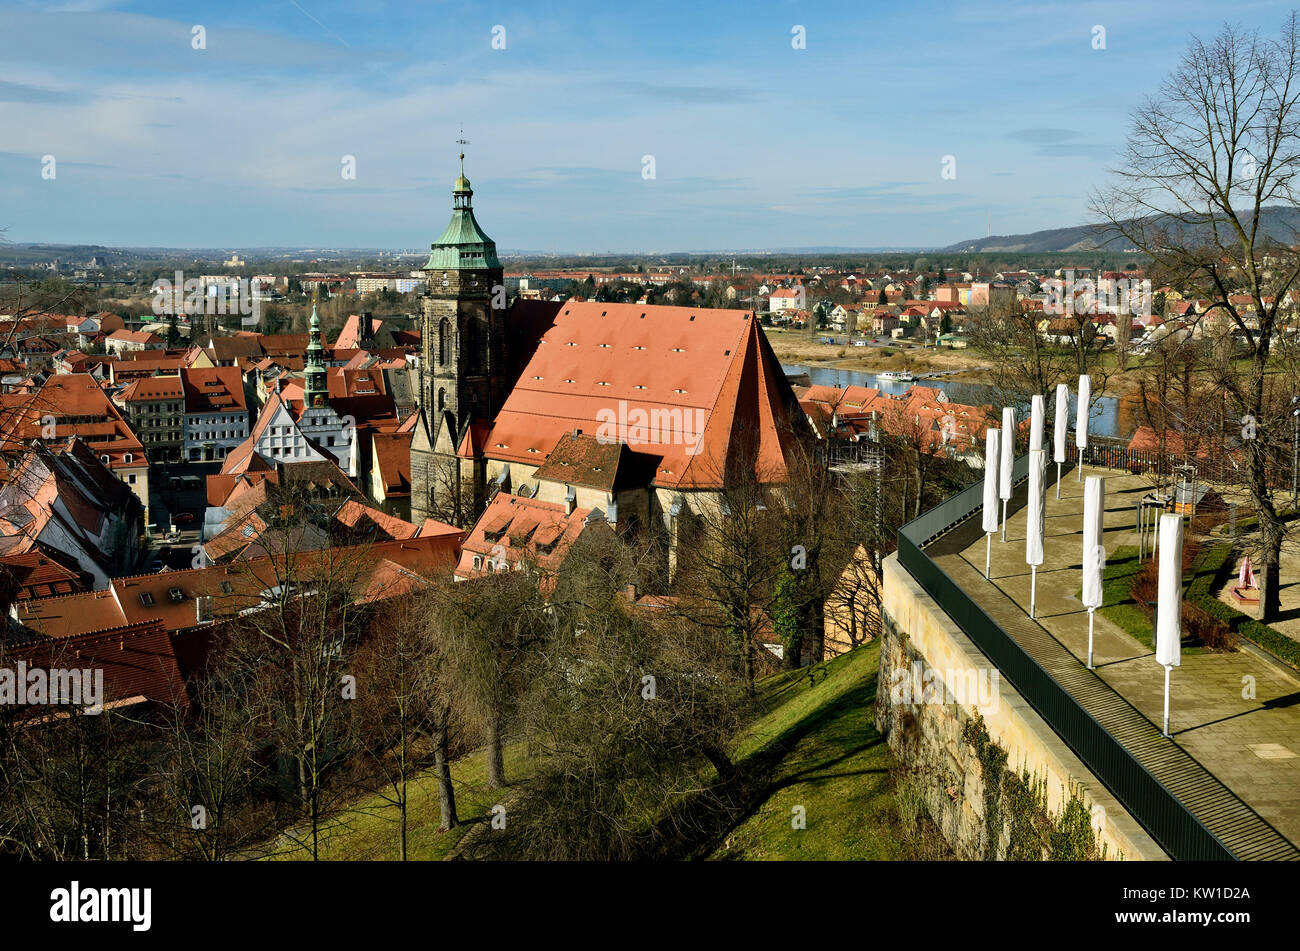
{"x":797,"y":347}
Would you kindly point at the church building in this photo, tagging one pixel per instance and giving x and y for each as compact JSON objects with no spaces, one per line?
{"x":634,"y":413}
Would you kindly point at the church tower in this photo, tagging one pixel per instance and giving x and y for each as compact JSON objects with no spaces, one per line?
{"x":463,"y":373}
{"x":463,"y":336}
{"x":315,"y":390}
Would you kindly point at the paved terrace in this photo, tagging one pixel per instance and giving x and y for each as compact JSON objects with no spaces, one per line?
{"x":1221,"y":743}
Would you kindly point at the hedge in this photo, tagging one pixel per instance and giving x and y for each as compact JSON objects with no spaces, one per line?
{"x":1215,"y":564}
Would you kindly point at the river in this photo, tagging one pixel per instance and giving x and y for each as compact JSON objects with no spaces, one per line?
{"x":1104,"y":419}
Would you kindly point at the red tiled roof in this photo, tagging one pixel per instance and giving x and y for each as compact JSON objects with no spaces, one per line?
{"x":713,"y":368}
{"x":515,"y":530}
{"x":153,"y":388}
{"x":213,"y":390}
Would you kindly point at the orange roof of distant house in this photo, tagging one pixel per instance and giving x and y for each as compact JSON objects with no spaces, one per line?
{"x":514,"y":531}
{"x":350,"y":335}
{"x":392,"y":461}
{"x":354,"y":513}
{"x":145,"y":337}
{"x":153,"y":388}
{"x":431,"y":526}
{"x":213,"y":390}
{"x":77,"y":406}
{"x":39,"y":576}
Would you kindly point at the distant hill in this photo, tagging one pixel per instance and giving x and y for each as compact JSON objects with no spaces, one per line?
{"x":1280,"y":222}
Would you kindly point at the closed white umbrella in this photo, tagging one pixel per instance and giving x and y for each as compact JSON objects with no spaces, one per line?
{"x":1081,"y":418}
{"x":990,"y":493}
{"x":1008,"y":461}
{"x":1034,"y":530}
{"x":1036,"y":413}
{"x":1094,"y":551}
{"x":1062,"y":425}
{"x":1169,"y":604}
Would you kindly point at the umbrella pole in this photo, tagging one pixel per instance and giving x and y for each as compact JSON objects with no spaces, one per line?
{"x":1167,"y":670}
{"x":988,"y":553}
{"x":1033,"y":589}
{"x":1058,"y":480}
{"x":1004,"y":519}
{"x":1090,"y":612}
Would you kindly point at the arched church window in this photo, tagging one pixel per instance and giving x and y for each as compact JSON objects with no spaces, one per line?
{"x":444,"y":330}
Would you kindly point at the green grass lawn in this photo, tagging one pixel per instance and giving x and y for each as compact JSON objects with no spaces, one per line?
{"x":368,"y":830}
{"x":812,"y":745}
{"x":829,"y":760}
{"x":1118,"y":607}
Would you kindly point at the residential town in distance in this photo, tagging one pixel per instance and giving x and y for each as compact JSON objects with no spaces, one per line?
{"x":362,"y":513}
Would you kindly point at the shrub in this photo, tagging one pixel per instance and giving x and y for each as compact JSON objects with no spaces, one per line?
{"x":1207,"y":630}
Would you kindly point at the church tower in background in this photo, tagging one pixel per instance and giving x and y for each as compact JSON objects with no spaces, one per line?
{"x":463,"y":369}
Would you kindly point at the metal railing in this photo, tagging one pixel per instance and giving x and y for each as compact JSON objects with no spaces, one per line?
{"x":1159,"y":811}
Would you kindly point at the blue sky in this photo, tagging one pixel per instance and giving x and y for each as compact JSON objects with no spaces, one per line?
{"x":755,"y":144}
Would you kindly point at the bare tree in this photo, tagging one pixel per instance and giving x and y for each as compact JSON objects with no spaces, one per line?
{"x":404,"y":714}
{"x":211,"y":792}
{"x":1021,"y":360}
{"x":1218,"y":143}
{"x":299,"y":639}
{"x":488,"y":627}
{"x":628,"y":707}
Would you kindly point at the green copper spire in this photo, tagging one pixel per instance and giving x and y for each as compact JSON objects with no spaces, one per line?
{"x":315,"y":390}
{"x":463,"y":244}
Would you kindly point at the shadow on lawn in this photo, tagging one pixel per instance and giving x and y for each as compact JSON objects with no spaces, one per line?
{"x":699,"y":826}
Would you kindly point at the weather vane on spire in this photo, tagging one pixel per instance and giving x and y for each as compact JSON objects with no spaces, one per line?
{"x":462,"y":142}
